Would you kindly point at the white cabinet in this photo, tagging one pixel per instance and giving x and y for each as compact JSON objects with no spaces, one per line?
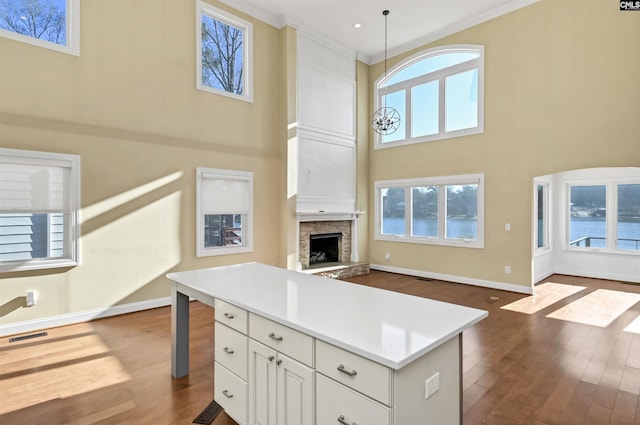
{"x":230,"y":353}
{"x":230,"y":392}
{"x":375,"y":357}
{"x":281,"y":390}
{"x":353,"y":390}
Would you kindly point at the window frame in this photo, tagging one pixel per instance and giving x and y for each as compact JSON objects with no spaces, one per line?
{"x":439,"y":75}
{"x":247,"y":236}
{"x":204,"y":8}
{"x":72,"y":29}
{"x":546,"y":215}
{"x":71,"y":239}
{"x":442,"y":181}
{"x":611,"y":220}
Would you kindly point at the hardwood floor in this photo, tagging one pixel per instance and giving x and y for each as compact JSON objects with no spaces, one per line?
{"x":535,"y":360}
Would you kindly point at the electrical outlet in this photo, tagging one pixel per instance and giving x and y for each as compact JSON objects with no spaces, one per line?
{"x":31,"y":299}
{"x":431,"y":385}
{"x":387,"y":256}
{"x":507,"y":269}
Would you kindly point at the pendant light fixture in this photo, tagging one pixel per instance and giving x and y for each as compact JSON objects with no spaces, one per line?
{"x":386,"y":119}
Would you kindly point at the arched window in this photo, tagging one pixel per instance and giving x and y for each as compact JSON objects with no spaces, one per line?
{"x":439,"y":94}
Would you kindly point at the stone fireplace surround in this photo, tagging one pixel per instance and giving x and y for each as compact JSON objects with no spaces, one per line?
{"x":312,"y":224}
{"x":308,"y":228}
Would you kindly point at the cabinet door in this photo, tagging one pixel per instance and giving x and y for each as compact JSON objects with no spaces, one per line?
{"x":262,"y":384}
{"x":295,"y":392}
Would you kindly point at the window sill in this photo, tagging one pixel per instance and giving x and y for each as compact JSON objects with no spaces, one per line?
{"x":19,"y":266}
{"x":433,"y":241}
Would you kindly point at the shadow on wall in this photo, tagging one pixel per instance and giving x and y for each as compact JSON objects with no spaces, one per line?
{"x":14,"y":304}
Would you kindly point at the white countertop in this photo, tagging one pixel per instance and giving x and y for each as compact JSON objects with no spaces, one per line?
{"x":385,"y":326}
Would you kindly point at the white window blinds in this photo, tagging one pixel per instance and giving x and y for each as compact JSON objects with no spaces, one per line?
{"x":27,"y":188}
{"x":224,"y":194}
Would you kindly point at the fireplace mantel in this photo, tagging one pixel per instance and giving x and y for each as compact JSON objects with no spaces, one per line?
{"x":327,"y":215}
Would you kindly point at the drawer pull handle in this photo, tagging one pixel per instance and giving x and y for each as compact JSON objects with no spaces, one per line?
{"x":227,"y":394}
{"x":343,"y":422}
{"x":229,"y":316}
{"x":275,"y":337}
{"x":346,"y":372}
{"x":228,"y":350}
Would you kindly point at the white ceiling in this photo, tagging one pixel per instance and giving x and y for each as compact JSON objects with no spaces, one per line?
{"x":411,"y":23}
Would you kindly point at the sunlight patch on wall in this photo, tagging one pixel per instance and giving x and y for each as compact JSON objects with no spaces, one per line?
{"x":599,"y":308}
{"x":126,"y":254}
{"x":546,"y":294}
{"x":120,"y":199}
{"x":292,"y":167}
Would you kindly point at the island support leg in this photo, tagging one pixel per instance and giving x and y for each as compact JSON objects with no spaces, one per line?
{"x":179,"y":334}
{"x":460,"y":369}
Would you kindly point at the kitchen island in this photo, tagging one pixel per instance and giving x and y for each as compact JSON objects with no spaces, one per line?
{"x":292,"y":348}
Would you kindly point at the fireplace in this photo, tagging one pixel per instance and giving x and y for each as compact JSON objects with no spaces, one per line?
{"x":327,"y":245}
{"x":324,"y":248}
{"x":332,"y":238}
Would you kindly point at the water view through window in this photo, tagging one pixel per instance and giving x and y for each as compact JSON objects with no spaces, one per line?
{"x":588,"y":221}
{"x":460,"y":211}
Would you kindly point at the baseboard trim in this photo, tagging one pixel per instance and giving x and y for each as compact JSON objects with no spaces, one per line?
{"x":83,"y":316}
{"x":457,"y":279}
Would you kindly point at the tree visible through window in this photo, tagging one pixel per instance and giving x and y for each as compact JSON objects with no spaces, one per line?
{"x":46,"y":23}
{"x":221,"y":55}
{"x":438,"y":210}
{"x":41,"y":19}
{"x":224,"y":52}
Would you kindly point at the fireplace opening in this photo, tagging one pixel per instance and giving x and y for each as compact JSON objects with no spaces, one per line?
{"x":324,"y":248}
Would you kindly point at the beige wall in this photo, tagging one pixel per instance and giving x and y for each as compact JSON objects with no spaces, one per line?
{"x":561,"y":92}
{"x":128,"y":106}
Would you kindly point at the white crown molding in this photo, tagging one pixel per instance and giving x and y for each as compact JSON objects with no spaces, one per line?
{"x":454,"y":28}
{"x":272,"y":19}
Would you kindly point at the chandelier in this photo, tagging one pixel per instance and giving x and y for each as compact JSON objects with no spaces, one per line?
{"x":386,"y":119}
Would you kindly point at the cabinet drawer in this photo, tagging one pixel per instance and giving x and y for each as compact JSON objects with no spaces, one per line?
{"x":364,"y":375}
{"x":231,"y":393}
{"x":230,"y":315}
{"x":231,"y":349}
{"x":337,"y":404}
{"x":282,"y":338}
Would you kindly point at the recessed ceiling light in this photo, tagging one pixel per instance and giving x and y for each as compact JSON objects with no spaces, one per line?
{"x":356,"y":26}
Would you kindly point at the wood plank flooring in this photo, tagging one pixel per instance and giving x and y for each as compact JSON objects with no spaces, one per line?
{"x":524,"y":365}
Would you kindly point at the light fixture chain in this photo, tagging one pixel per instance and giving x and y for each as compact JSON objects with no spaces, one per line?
{"x":385,"y":120}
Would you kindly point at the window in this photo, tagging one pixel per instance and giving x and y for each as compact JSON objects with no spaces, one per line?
{"x":588,"y":226}
{"x":53,"y":24}
{"x":605,"y":216}
{"x":628,"y":226}
{"x":224,"y":208}
{"x":541,"y":223}
{"x":224,"y":53}
{"x":438,"y":93}
{"x":39,"y":210}
{"x":437,"y":210}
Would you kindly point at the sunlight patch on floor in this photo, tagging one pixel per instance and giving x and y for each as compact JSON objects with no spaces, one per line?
{"x":634,"y":327}
{"x":546,"y":294}
{"x":61,"y":368}
{"x":598,"y":308}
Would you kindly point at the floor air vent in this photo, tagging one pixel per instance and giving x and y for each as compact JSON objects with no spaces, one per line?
{"x":23,"y":337}
{"x":208,"y":414}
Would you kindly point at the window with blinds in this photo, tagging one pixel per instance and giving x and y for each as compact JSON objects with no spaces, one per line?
{"x":39,"y":204}
{"x":224,"y":208}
